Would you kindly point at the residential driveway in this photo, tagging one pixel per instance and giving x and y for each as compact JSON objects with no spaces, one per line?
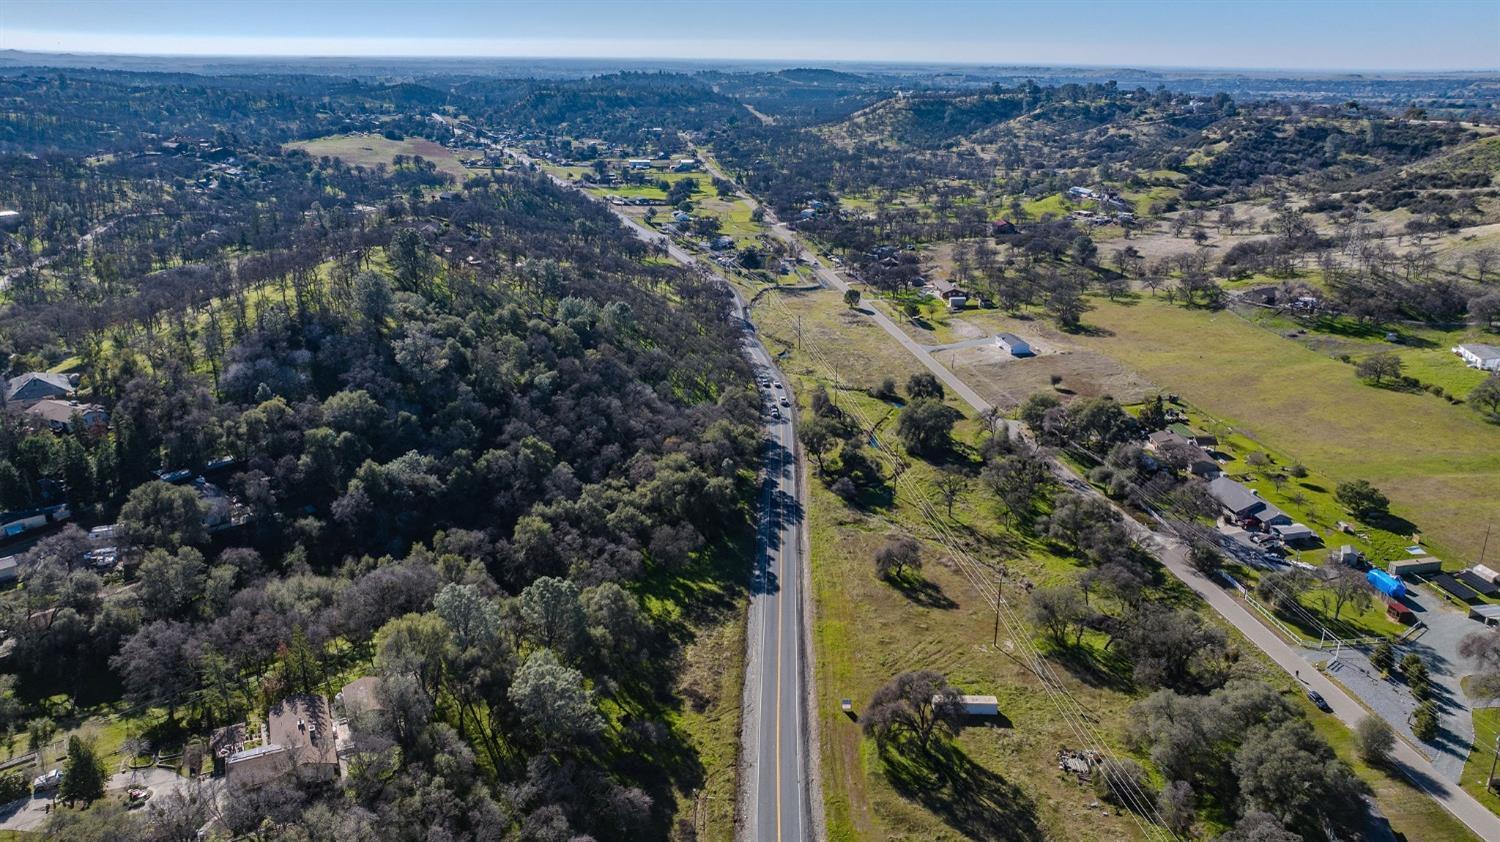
{"x":1392,"y":700}
{"x":27,"y":814}
{"x":31,"y":814}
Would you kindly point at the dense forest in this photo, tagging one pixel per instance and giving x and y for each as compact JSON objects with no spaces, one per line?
{"x":462,"y":437}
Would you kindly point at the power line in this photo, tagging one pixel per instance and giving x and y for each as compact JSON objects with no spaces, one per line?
{"x":1069,"y":708}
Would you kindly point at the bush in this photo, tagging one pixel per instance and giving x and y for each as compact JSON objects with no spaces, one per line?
{"x":1374,"y":738}
{"x":13,"y":787}
{"x":1123,"y":783}
{"x":1424,"y":722}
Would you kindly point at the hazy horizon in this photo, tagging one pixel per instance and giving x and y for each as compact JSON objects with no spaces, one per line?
{"x":1328,"y":37}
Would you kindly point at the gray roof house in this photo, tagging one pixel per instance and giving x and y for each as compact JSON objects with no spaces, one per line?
{"x":34,"y":386}
{"x":1243,"y":503}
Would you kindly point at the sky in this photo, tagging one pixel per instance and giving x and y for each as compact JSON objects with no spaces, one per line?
{"x":1249,"y":34}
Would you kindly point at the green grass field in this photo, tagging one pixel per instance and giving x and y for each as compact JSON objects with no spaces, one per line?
{"x":866,"y":630}
{"x":1439,"y":463}
{"x":367,"y":150}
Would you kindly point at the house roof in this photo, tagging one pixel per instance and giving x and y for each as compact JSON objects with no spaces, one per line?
{"x":258,"y":766}
{"x":61,"y":412}
{"x":1293,"y":530}
{"x":361,"y":695}
{"x":1233,"y":496}
{"x":304,"y":726}
{"x":53,"y":383}
{"x":1011,"y":339}
{"x":1162,"y":438}
{"x":1481,"y":350}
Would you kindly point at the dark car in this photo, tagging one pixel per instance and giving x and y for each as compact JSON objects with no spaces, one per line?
{"x":1317,"y":698}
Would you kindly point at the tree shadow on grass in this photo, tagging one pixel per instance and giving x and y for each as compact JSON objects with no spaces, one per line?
{"x":971,"y":799}
{"x":1097,"y":668}
{"x":921,"y":590}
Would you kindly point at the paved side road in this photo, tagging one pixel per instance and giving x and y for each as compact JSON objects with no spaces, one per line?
{"x":1174,"y":556}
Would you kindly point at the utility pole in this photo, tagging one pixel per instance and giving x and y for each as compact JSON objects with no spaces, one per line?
{"x":799,"y":332}
{"x":1489,"y":782}
{"x":1486,"y":545}
{"x":999,"y":583}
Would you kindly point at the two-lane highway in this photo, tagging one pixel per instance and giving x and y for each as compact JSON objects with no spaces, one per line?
{"x":776,"y":799}
{"x":775,"y":790}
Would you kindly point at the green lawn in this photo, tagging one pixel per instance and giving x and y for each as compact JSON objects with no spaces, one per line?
{"x":1486,"y":728}
{"x":1439,"y":463}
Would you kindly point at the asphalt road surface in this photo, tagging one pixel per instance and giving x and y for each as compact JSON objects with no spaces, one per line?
{"x":776,"y":747}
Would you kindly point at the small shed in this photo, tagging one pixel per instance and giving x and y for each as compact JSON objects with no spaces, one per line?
{"x":1410,"y":566}
{"x":1348,"y":555}
{"x":1397,"y":612}
{"x":1295,"y":533}
{"x":10,"y":569}
{"x":1015,"y":345}
{"x":980,"y":705}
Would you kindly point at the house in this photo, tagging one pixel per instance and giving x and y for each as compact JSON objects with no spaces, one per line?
{"x":1480,"y":356}
{"x":1200,"y":439}
{"x":681,"y":217}
{"x":58,"y":415}
{"x":1002,"y":227}
{"x":639,"y":164}
{"x":10,"y":570}
{"x":685,"y":165}
{"x":721,"y":243}
{"x":1082,"y":193}
{"x":297,"y":738}
{"x":807,"y":213}
{"x":1015,"y":345}
{"x":1170,"y":442}
{"x":1242,"y":503}
{"x":949,"y":292}
{"x":34,"y":386}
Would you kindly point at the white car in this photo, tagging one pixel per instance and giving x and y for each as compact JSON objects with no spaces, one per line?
{"x":47,"y":781}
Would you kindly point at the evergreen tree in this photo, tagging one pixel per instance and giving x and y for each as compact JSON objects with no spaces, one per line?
{"x":83,"y":773}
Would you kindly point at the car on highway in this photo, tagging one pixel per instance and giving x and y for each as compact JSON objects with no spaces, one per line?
{"x":1317,"y":698}
{"x":775,"y":413}
{"x":785,"y":402}
{"x":776,"y":384}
